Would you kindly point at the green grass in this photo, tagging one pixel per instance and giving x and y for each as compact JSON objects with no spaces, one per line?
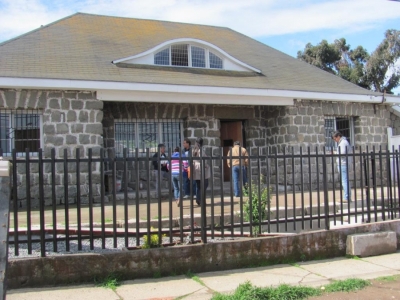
{"x":388,"y":278}
{"x":348,"y":285}
{"x":194,"y":277}
{"x":110,"y":282}
{"x":247,"y":291}
{"x":353,"y":257}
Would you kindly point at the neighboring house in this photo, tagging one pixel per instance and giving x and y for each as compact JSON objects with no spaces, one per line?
{"x":89,"y":81}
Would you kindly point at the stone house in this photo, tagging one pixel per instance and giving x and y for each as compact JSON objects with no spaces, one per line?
{"x":90,"y":81}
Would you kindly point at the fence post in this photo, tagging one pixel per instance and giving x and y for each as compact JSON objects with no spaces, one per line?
{"x":326,"y":200}
{"x":5,"y":192}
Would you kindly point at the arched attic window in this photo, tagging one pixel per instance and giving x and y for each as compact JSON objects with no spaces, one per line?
{"x":187,"y":52}
{"x":187,"y":55}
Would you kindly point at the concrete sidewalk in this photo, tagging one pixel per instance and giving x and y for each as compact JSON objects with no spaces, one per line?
{"x":313,"y":273}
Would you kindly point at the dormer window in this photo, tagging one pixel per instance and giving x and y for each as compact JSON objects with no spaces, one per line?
{"x":189,"y":53}
{"x":186,"y":55}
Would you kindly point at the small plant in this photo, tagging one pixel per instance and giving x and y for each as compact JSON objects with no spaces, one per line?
{"x":110,"y":282}
{"x":154,"y":242}
{"x":258,"y":204}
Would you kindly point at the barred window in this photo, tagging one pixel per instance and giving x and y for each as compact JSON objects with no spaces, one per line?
{"x":186,"y":55}
{"x":20,"y":130}
{"x":343,"y":124}
{"x":143,"y":134}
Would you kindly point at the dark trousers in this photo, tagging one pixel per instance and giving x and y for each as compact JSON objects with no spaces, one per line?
{"x":201,"y":196}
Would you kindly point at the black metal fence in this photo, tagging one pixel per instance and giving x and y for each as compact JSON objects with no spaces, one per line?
{"x":62,"y":201}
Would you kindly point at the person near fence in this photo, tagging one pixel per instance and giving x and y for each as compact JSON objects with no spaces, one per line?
{"x":186,"y":179}
{"x":197,"y":168}
{"x":177,"y":166}
{"x":343,"y":163}
{"x":162,"y":166}
{"x":238,"y":151}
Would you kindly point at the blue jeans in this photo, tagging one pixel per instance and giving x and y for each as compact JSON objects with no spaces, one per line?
{"x":175,"y":182}
{"x":345,"y":184}
{"x":236,"y":179}
{"x":186,"y":183}
{"x":199,"y":196}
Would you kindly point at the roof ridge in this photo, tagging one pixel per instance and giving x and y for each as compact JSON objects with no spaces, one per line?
{"x":37,"y":29}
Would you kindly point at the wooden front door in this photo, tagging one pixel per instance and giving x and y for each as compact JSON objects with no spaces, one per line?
{"x":231,"y":131}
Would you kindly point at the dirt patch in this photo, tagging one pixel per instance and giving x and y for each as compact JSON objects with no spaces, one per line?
{"x":379,"y":289}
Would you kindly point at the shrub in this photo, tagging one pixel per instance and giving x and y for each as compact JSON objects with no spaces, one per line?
{"x":257,"y":203}
{"x":154,"y":241}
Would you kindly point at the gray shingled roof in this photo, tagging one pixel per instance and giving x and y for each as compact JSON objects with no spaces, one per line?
{"x":83,"y":46}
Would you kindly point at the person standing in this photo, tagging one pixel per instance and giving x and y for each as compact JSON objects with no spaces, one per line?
{"x":162,"y":166}
{"x":198,"y":169}
{"x":238,"y":166}
{"x":185,"y":177}
{"x":177,"y":166}
{"x":344,"y":149}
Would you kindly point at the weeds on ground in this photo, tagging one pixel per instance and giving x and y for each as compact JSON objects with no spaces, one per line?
{"x":348,"y":285}
{"x":247,"y":291}
{"x":110,"y":282}
{"x":388,"y":278}
{"x":353,"y":257}
{"x":194,"y":277}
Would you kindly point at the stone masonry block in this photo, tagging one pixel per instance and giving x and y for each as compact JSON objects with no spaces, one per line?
{"x":49,"y":129}
{"x":94,"y":128}
{"x":65,"y":104}
{"x":76,"y":104}
{"x":71,"y":116}
{"x":77,"y":128}
{"x":62,"y":128}
{"x":54,"y":104}
{"x":92,"y":104}
{"x":85,"y":95}
{"x":369,"y":244}
{"x":10,"y":98}
{"x":83,"y":116}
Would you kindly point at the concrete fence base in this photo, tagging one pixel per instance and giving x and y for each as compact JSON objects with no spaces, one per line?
{"x":80,"y":268}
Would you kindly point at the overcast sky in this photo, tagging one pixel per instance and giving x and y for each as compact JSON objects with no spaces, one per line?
{"x":287,"y":25}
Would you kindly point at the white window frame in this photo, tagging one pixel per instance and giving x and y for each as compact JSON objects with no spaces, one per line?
{"x":11,"y":138}
{"x":159,"y":123}
{"x":351,"y":129}
{"x":189,"y":51}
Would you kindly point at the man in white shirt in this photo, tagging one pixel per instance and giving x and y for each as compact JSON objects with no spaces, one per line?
{"x":343,"y":163}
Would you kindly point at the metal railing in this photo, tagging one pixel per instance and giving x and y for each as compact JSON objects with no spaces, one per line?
{"x":60,"y":201}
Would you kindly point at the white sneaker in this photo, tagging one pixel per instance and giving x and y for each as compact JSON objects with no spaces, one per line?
{"x":186,"y":197}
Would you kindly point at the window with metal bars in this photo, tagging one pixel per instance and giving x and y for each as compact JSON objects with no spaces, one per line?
{"x":343,"y":124}
{"x":20,"y":130}
{"x":186,"y":55}
{"x":143,"y":134}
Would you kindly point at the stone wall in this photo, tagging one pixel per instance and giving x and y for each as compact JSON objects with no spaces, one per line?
{"x":167,"y":261}
{"x":269,"y":128}
{"x":71,"y":120}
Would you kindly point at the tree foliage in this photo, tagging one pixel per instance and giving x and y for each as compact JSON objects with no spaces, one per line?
{"x":376,"y":71}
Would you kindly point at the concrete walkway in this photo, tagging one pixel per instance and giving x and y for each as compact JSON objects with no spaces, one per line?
{"x":315,"y":273}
